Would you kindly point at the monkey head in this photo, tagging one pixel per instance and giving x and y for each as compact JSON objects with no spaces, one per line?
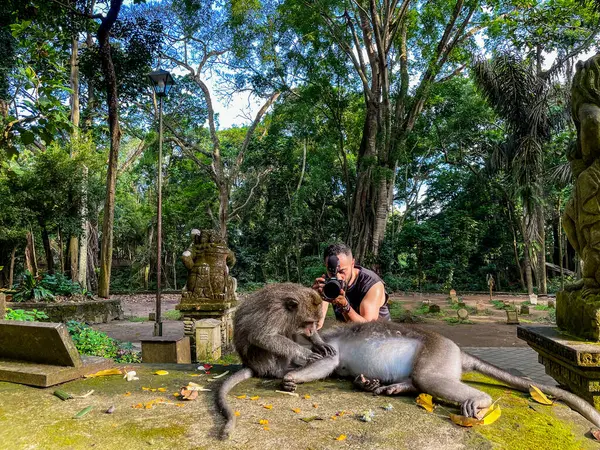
{"x":304,"y":309}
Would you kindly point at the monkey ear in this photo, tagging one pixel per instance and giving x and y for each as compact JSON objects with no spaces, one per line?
{"x":291,"y":303}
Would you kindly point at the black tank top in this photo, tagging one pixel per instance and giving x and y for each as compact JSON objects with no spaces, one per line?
{"x":355,"y":293}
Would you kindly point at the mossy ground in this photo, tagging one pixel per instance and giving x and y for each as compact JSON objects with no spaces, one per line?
{"x":34,"y":418}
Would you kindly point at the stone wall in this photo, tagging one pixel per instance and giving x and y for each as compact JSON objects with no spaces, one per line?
{"x":578,"y":316}
{"x":95,"y":311}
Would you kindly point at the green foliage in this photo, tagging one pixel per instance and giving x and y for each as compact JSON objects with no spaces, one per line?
{"x":95,"y":343}
{"x":25,"y":315}
{"x":32,"y":288}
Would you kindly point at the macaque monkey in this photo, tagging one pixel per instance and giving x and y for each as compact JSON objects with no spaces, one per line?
{"x":390,"y":358}
{"x":263,"y":327}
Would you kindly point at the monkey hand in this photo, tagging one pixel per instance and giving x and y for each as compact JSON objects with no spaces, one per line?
{"x":307,"y":356}
{"x":288,"y":384}
{"x":314,"y":357}
{"x":324,"y":349}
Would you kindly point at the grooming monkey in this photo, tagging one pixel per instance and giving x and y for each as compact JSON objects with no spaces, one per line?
{"x":390,"y":358}
{"x":263,"y":328}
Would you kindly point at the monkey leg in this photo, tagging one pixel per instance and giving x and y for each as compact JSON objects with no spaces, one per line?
{"x":470,"y":399}
{"x":317,"y":370}
{"x":403,"y":387}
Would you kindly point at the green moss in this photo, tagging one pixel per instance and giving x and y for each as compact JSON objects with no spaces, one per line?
{"x":525,"y":424}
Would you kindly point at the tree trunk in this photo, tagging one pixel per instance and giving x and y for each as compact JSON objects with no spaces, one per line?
{"x":47,"y":249}
{"x":85,"y":225}
{"x":73,"y":252}
{"x":556,"y":258}
{"x":61,"y":252}
{"x":174,"y":272}
{"x":112,"y":101}
{"x":541,"y":253}
{"x":92,"y":257}
{"x":527,"y":266}
{"x":11,"y":273}
{"x":30,"y":258}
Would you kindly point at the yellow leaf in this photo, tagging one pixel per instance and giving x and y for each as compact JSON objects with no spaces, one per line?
{"x":263,"y":422}
{"x":425,"y":401}
{"x":307,"y":397}
{"x":180,"y":404}
{"x":237,"y":414}
{"x":333,"y":417}
{"x":341,"y":437}
{"x":161,"y":372}
{"x":152,"y":390}
{"x":139,"y":405}
{"x":176,"y":394}
{"x":127,"y":394}
{"x":145,"y":388}
{"x":256,"y":397}
{"x":315,"y":405}
{"x":104,"y":373}
{"x":268,"y":406}
{"x":465,"y":421}
{"x":196,"y":375}
{"x":296,"y":410}
{"x":538,"y":395}
{"x":266,"y":428}
{"x":241,"y":397}
{"x":162,"y":389}
{"x":492,"y":415}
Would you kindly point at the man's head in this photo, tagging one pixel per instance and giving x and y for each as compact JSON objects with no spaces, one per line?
{"x":346,"y":261}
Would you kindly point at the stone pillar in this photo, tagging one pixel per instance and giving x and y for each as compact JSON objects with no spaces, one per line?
{"x":2,"y":306}
{"x":208,"y":339}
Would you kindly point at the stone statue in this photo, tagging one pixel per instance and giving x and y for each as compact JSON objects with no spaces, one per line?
{"x":208,"y":260}
{"x":582,"y":212}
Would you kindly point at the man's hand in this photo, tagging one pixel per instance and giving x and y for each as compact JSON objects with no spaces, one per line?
{"x":318,"y":285}
{"x":340,"y":301}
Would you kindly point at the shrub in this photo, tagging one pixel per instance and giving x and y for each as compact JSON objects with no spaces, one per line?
{"x":95,"y":343}
{"x":45,"y":288}
{"x":25,"y":316}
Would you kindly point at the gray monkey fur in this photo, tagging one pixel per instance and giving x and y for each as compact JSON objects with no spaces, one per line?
{"x":390,"y":358}
{"x":263,"y":327}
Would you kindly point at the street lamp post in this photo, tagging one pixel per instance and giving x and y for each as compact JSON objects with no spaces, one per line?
{"x":162,"y":82}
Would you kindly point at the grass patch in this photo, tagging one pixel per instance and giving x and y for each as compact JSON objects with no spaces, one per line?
{"x":138,"y":319}
{"x":173,"y":314}
{"x":457,"y":321}
{"x":228,"y":358}
{"x":541,"y":308}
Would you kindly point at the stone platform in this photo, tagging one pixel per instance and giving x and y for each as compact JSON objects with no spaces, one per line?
{"x":572,"y":362}
{"x":93,"y":311}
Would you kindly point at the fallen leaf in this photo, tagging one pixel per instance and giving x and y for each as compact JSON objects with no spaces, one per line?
{"x":83,"y":412}
{"x":333,"y":417}
{"x":152,"y":390}
{"x":596,"y":433}
{"x":220,"y":375}
{"x":196,"y":375}
{"x":266,"y":428}
{"x":263,"y":422}
{"x":180,"y":404}
{"x":145,"y":388}
{"x":493,"y":415}
{"x":105,"y":373}
{"x":296,"y":410}
{"x":237,"y":414}
{"x":425,"y":401}
{"x":268,"y":406}
{"x":162,"y":389}
{"x":307,"y":397}
{"x":189,"y":394}
{"x":465,"y":421}
{"x":139,"y":405}
{"x":256,"y":397}
{"x":241,"y":397}
{"x":539,"y":396}
{"x":127,"y":394}
{"x":341,"y":437}
{"x":161,"y":372}
{"x":315,"y":405}
{"x":176,"y":394}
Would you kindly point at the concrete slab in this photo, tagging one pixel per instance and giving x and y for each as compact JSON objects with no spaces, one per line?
{"x":43,"y":343}
{"x":162,"y":349}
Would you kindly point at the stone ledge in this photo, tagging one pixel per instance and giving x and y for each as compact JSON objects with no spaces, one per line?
{"x":95,"y":311}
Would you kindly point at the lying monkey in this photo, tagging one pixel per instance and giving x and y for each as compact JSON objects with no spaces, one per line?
{"x":263,"y":328}
{"x":390,"y":358}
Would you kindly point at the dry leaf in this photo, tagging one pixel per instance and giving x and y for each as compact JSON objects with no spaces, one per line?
{"x":263,"y":422}
{"x":315,"y":405}
{"x":341,"y":437}
{"x":162,"y":389}
{"x":268,"y":406}
{"x":538,"y":395}
{"x":189,"y":394}
{"x":237,"y":414}
{"x":180,"y":404}
{"x":492,"y":415}
{"x":161,"y":372}
{"x":266,"y":428}
{"x":241,"y":397}
{"x":425,"y":401}
{"x":307,"y":397}
{"x":256,"y":397}
{"x":465,"y":421}
{"x":104,"y":373}
{"x":296,"y":410}
{"x":333,"y":417}
{"x":145,"y":388}
{"x":176,"y":394}
{"x":127,"y":394}
{"x":139,"y":405}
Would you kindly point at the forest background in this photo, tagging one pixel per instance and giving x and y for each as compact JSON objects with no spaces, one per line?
{"x":431,"y":136}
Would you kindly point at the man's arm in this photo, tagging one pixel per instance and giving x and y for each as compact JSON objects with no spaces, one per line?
{"x":369,"y":307}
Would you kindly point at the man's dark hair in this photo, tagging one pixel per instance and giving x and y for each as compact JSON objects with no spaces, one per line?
{"x":337,"y":249}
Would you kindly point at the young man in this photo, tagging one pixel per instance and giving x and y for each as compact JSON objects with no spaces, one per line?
{"x":363,"y":298}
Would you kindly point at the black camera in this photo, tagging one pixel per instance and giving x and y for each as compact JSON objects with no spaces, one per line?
{"x":333,"y":285}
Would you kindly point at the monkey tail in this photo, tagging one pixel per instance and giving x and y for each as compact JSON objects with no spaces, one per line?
{"x":225,"y":409}
{"x":578,"y":404}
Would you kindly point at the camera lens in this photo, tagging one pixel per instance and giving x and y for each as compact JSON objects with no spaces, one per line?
{"x":332,"y":289}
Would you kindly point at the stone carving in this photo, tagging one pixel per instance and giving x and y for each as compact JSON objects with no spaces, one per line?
{"x":208,"y":260}
{"x":582,"y":212}
{"x":578,"y":306}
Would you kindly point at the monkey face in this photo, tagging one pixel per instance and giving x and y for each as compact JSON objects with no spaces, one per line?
{"x":309,"y":328}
